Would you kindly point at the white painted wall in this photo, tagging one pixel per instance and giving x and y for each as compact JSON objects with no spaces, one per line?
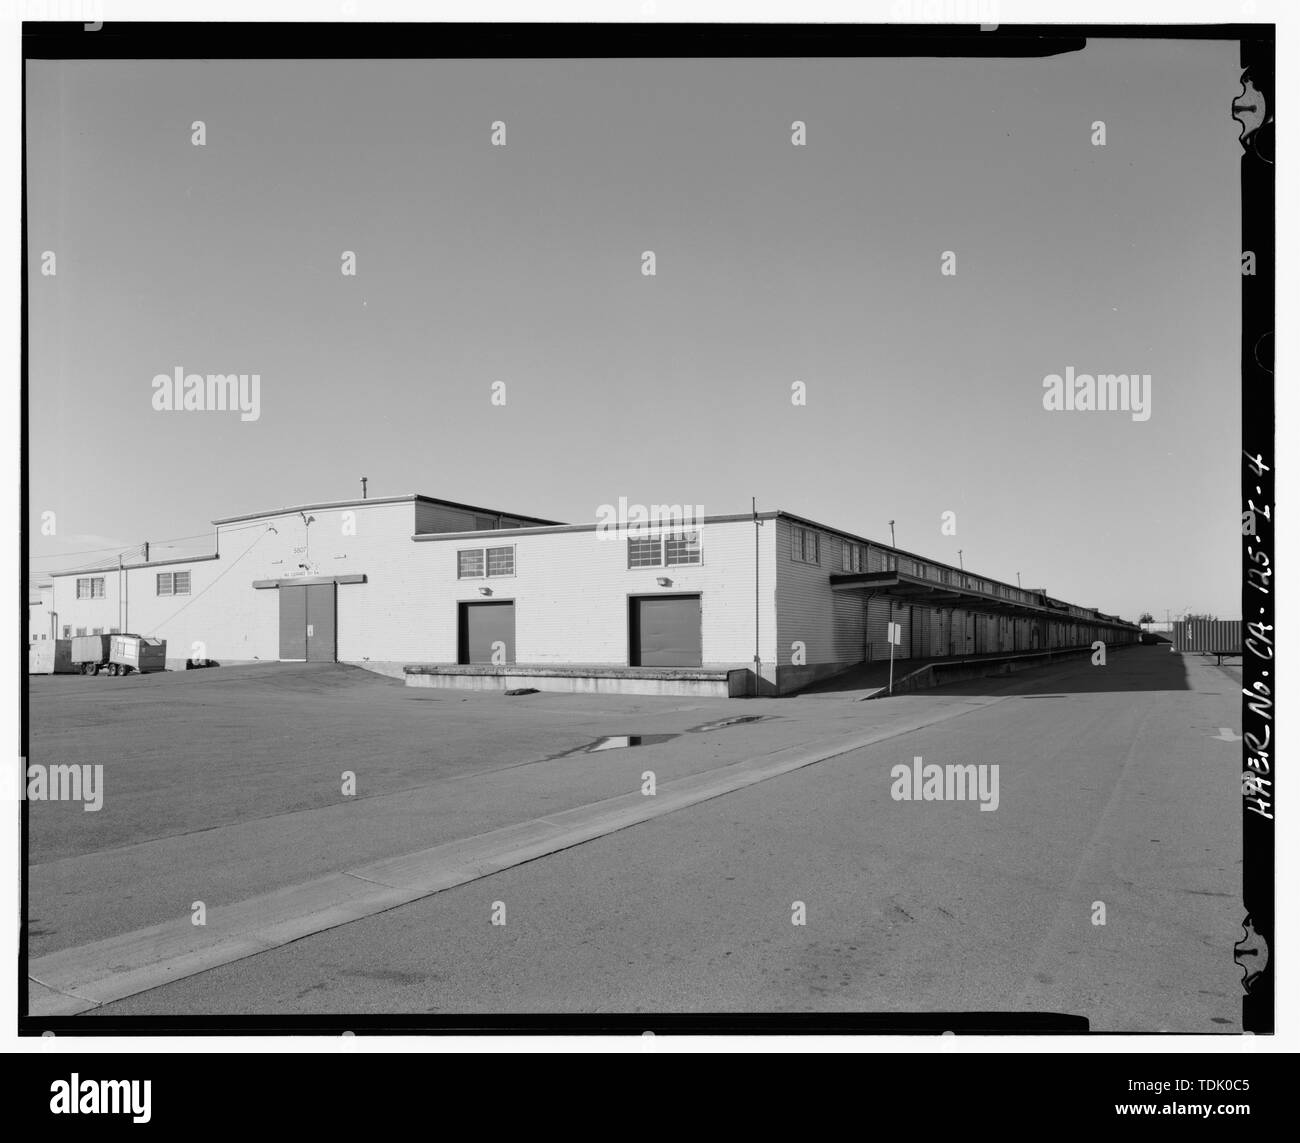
{"x":571,"y":590}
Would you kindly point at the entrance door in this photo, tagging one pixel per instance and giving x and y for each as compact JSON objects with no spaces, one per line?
{"x":665,"y":631}
{"x":322,"y":639}
{"x":487,"y":632}
{"x":308,"y":623}
{"x":293,"y":624}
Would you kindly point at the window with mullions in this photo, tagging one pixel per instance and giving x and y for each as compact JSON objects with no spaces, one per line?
{"x":668,"y":549}
{"x":500,"y":561}
{"x":173,"y":583}
{"x":804,"y":546}
{"x":489,"y":563}
{"x":90,"y":588}
{"x":682,"y":548}
{"x":469,"y":564}
{"x":644,"y":552}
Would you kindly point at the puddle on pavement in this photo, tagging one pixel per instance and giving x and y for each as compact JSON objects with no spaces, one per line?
{"x":727,"y":722}
{"x":625,"y":741}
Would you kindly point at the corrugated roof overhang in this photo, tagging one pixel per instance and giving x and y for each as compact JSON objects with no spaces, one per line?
{"x":915,"y":590}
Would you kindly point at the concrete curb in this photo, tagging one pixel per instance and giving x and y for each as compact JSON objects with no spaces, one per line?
{"x":78,"y":979}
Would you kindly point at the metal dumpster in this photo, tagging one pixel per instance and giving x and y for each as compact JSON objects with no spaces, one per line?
{"x":136,"y":653}
{"x":50,"y":657}
{"x":89,"y":653}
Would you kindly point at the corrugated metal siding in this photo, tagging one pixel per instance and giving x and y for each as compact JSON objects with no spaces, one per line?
{"x":438,"y":518}
{"x":849,"y":626}
{"x":805,"y":610}
{"x":1207,"y":635}
{"x":919,"y":643}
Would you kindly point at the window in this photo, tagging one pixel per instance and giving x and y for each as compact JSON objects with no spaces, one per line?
{"x":846,"y":556}
{"x":97,"y":631}
{"x":90,"y":588}
{"x":859,"y":558}
{"x":890,"y":561}
{"x":81,"y":630}
{"x":682,"y":548}
{"x":669,"y":549}
{"x":173,"y":583}
{"x":476,"y":563}
{"x":644,"y":552}
{"x":469,"y":564}
{"x":115,"y":631}
{"x":67,"y":631}
{"x":804,"y":546}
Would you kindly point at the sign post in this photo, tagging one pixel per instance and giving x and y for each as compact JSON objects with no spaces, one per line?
{"x":895,"y":637}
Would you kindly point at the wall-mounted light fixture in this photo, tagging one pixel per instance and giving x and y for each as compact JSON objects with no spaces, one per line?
{"x":664,"y":581}
{"x":485,"y":591}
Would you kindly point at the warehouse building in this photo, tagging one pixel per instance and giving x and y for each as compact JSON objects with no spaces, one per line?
{"x":472,"y":596}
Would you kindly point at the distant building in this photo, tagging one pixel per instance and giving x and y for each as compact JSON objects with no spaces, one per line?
{"x":40,"y":612}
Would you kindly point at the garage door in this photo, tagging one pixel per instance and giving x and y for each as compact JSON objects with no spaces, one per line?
{"x":487,"y":632}
{"x":665,"y":631}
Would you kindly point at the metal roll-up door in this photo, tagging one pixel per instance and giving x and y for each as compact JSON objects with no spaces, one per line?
{"x":665,"y":631}
{"x":487,"y":632}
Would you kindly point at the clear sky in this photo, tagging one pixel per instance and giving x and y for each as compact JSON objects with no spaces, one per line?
{"x":774,"y":264}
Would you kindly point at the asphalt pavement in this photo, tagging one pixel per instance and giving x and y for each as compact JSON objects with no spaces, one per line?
{"x":1105,"y":883}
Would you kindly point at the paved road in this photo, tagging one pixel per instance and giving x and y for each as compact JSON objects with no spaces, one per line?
{"x":1113,"y":788}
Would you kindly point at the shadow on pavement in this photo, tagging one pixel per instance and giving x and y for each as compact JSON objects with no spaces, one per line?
{"x":1139,"y":668}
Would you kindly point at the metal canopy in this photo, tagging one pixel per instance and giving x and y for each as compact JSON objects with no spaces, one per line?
{"x":916,"y":590}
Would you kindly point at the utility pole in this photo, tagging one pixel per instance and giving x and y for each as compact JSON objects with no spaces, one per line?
{"x":960,"y":562}
{"x":892,"y":542}
{"x":753,"y":502}
{"x":363,"y":488}
{"x":1018,"y":580}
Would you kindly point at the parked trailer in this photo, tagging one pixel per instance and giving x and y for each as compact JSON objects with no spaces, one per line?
{"x":90,"y":653}
{"x":137,"y":653}
{"x":118,"y":654}
{"x":1217,"y":637}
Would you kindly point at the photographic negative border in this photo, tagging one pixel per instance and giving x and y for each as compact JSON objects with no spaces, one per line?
{"x":1254,"y":953}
